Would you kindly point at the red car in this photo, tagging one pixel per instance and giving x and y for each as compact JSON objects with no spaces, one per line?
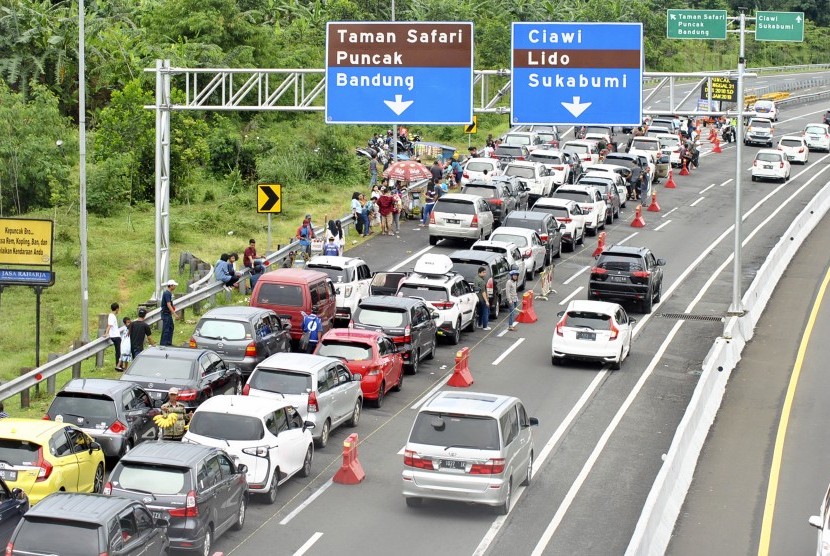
{"x":370,"y":353}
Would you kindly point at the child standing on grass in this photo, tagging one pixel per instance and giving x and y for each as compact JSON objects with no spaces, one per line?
{"x":126,"y":353}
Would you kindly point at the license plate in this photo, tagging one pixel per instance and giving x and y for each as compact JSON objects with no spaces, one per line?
{"x":586,"y":336}
{"x":158,"y":515}
{"x":767,"y":167}
{"x":450,"y":221}
{"x":815,"y":138}
{"x":156,"y":395}
{"x":453,"y":464}
{"x":619,"y":278}
{"x":8,"y":474}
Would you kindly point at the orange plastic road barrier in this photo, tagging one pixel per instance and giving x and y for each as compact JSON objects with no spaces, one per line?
{"x":350,"y":472}
{"x":670,"y":182}
{"x":684,"y":171}
{"x":717,"y":145}
{"x":461,"y":376}
{"x":638,"y":221}
{"x":528,"y":314}
{"x":654,"y":207}
{"x":600,"y":245}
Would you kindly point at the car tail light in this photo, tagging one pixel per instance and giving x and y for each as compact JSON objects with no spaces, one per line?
{"x":564,"y":220}
{"x":192,"y":342}
{"x":46,"y":417}
{"x":432,"y":217}
{"x":117,"y":428}
{"x":495,"y":201}
{"x":474,"y":221}
{"x":188,"y":395}
{"x":107,"y":489}
{"x":614,"y":331}
{"x":755,"y":163}
{"x":312,"y":402}
{"x":560,"y":326}
{"x":489,"y":287}
{"x":413,"y":459}
{"x":599,"y":270}
{"x":465,"y":175}
{"x":493,"y":466}
{"x":520,"y":158}
{"x":9,"y":549}
{"x":641,"y":274}
{"x":375,"y":371}
{"x":406,"y":338}
{"x":781,"y":164}
{"x":45,"y":467}
{"x":443,"y":304}
{"x":190,"y":509}
{"x":587,"y":158}
{"x":543,"y":237}
{"x":494,"y":155}
{"x":257,"y":451}
{"x":588,"y":208}
{"x":250,"y":350}
{"x":559,"y":168}
{"x":246,"y":389}
{"x":347,"y":291}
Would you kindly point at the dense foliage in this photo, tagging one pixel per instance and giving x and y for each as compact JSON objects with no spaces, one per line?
{"x":39,"y":66}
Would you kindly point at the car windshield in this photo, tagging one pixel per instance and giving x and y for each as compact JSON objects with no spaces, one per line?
{"x":62,"y":536}
{"x":225,"y":426}
{"x":158,"y":479}
{"x":584,"y":319}
{"x":479,"y":166}
{"x":216,"y":329}
{"x":336,"y":274}
{"x":535,"y":225}
{"x":520,"y":172}
{"x":280,"y":381}
{"x":519,"y":140}
{"x":508,"y":150}
{"x":791,"y":143}
{"x":768,"y":157}
{"x":520,"y":241}
{"x":455,"y":206}
{"x":441,"y":429}
{"x":545,"y":158}
{"x":351,"y":351}
{"x":761,"y":123}
{"x":669,"y":142}
{"x":643,"y":145}
{"x":85,"y":410}
{"x":429,"y":293}
{"x":578,"y":196}
{"x":481,"y":191}
{"x":816,"y":129}
{"x":385,"y":318}
{"x":620,"y":262}
{"x":161,"y":366}
{"x":18,"y":452}
{"x":280,"y":294}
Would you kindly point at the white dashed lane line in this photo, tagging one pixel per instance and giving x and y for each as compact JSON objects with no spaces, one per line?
{"x":699,"y":199}
{"x":576,"y":291}
{"x":663,"y":225}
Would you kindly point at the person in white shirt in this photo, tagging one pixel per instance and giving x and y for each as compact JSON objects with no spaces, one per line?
{"x":126,"y":348}
{"x":113,"y":334}
{"x":487,"y":152}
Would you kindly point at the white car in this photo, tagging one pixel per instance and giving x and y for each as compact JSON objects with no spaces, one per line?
{"x":351,"y":278}
{"x":820,"y":522}
{"x":770,"y":164}
{"x":657,"y":131}
{"x":671,"y":146}
{"x":759,"y":131}
{"x":510,"y":251}
{"x":529,"y":139}
{"x":795,"y":147}
{"x":534,"y":175}
{"x":587,"y":150}
{"x":448,"y":292}
{"x":268,"y":435}
{"x":766,"y":109}
{"x":474,"y":169}
{"x":649,"y":146}
{"x":817,"y":137}
{"x":554,"y":161}
{"x":590,"y":200}
{"x":592,"y":331}
{"x":621,"y":174}
{"x":568,"y":213}
{"x":529,"y":243}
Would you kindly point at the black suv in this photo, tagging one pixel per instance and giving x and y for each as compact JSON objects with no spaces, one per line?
{"x":497,"y":196}
{"x":509,"y":153}
{"x":517,"y":189}
{"x":542,"y":223}
{"x":467,"y":263}
{"x":409,"y":322}
{"x":198,"y":489}
{"x":76,"y":524}
{"x":634,"y":165}
{"x":627,"y":273}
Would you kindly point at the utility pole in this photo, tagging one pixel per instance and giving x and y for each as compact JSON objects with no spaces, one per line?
{"x":82,"y":195}
{"x":395,"y":126}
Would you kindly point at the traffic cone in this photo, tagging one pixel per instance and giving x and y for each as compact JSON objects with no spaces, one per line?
{"x":684,"y":171}
{"x":654,"y":207}
{"x":638,"y":221}
{"x":600,"y":245}
{"x":717,"y":146}
{"x":670,"y":182}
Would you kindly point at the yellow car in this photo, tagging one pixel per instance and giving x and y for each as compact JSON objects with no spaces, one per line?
{"x":42,"y":457}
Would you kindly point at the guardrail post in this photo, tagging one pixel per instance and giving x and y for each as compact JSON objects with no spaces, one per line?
{"x":243,"y":285}
{"x":50,"y":381}
{"x":76,"y":368}
{"x":102,"y":327}
{"x":24,"y":395}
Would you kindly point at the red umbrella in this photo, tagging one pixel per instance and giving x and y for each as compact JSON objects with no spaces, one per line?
{"x":407,"y":170}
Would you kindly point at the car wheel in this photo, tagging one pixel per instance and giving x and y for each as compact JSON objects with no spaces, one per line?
{"x":236,"y":387}
{"x":98,"y":481}
{"x":433,"y":240}
{"x":504,"y":508}
{"x":431,"y":355}
{"x":615,"y":366}
{"x":609,"y":217}
{"x":558,"y":251}
{"x":529,"y":475}
{"x":379,"y":400}
{"x":305,"y":470}
{"x":523,"y":285}
{"x":414,"y":362}
{"x":413,"y":502}
{"x":754,"y":178}
{"x":456,"y":334}
{"x":399,"y":385}
{"x":355,"y":418}
{"x":324,"y":434}
{"x":555,"y":361}
{"x":208,"y":543}
{"x":591,"y":231}
{"x":271,"y":495}
{"x":659,"y":295}
{"x":581,"y":239}
{"x":532,"y":272}
{"x":494,"y":310}
{"x":127,"y":447}
{"x":240,"y":515}
{"x":647,"y":304}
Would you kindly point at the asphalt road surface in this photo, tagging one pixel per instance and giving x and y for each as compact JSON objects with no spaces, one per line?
{"x":602,"y":434}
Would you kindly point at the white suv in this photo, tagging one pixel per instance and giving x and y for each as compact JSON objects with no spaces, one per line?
{"x":448,"y":292}
{"x":351,"y":278}
{"x":567,"y":213}
{"x":510,"y":251}
{"x":590,"y":200}
{"x":817,"y":137}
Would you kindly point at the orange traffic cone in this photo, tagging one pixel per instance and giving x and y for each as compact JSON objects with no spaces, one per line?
{"x":684,"y":171}
{"x":670,"y":182}
{"x":654,"y":207}
{"x":600,"y":245}
{"x":717,"y":146}
{"x":638,"y":221}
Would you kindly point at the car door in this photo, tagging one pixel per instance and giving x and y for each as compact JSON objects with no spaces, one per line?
{"x":364,"y":278}
{"x":485,"y":216}
{"x":511,"y":443}
{"x":625,"y":328}
{"x":150,"y":537}
{"x":347,"y":391}
{"x":466,"y":300}
{"x":656,"y":270}
{"x":291,"y":442}
{"x":525,"y":436}
{"x":213,"y":491}
{"x":81,"y":444}
{"x":231,"y":489}
{"x":326,"y":396}
{"x":539,"y":250}
{"x":390,"y":363}
{"x":11,"y":510}
{"x":138,"y":410}
{"x":421,"y":329}
{"x":65,"y":459}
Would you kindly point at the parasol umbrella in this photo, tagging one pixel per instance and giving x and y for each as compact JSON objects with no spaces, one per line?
{"x":407,"y":170}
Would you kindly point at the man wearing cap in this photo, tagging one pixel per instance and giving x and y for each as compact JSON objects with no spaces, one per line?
{"x":174,"y":407}
{"x":168,"y":311}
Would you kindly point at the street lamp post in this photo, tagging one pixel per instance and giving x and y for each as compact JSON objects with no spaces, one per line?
{"x":82,"y":152}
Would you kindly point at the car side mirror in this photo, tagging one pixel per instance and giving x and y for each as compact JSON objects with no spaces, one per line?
{"x":632,"y":322}
{"x":534,"y":422}
{"x":241,"y":468}
{"x":435,"y":315}
{"x":560,"y":314}
{"x":94,"y":447}
{"x":18,"y":494}
{"x":661,"y":262}
{"x":815,"y":521}
{"x":161,"y":523}
{"x":357,"y":377}
{"x":157,"y":404}
{"x":308,"y":425}
{"x":562,"y":226}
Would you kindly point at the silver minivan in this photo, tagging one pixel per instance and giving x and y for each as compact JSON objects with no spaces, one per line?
{"x":322,"y":389}
{"x":468,"y":447}
{"x":458,"y":215}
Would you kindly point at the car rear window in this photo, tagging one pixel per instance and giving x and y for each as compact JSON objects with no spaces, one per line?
{"x":226,"y":426}
{"x":792,"y":143}
{"x":387,"y":279}
{"x":280,"y":294}
{"x":46,"y":536}
{"x":455,"y":206}
{"x":583,"y":319}
{"x":519,"y":172}
{"x":479,"y":166}
{"x":381,"y":316}
{"x":547,"y":137}
{"x":816,"y":130}
{"x":545,"y":158}
{"x":442,"y":429}
{"x":84,"y":410}
{"x":768,"y":157}
{"x":469,"y":269}
{"x":579,"y":148}
{"x":429,"y":293}
{"x":669,"y":142}
{"x":18,"y":452}
{"x":509,"y":150}
{"x":336,"y":274}
{"x":557,"y":212}
{"x":517,"y":140}
{"x":481,"y":191}
{"x":621,"y":262}
{"x":280,"y":381}
{"x":351,"y":351}
{"x":644,"y":145}
{"x":535,"y":225}
{"x":578,"y":196}
{"x":161,"y":367}
{"x":157,"y":479}
{"x":216,"y":329}
{"x":520,"y":241}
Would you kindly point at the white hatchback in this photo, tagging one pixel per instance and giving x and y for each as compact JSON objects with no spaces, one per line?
{"x":770,"y":164}
{"x":510,"y":251}
{"x":268,"y":435}
{"x":529,"y":243}
{"x":474,"y":169}
{"x":588,"y":150}
{"x":593,"y":331}
{"x":817,"y":137}
{"x":351,"y":278}
{"x":568,"y":213}
{"x":795,"y":147}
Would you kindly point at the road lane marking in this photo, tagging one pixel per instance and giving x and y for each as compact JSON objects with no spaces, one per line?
{"x":507,"y":352}
{"x":410,"y":259}
{"x":707,"y":189}
{"x":576,"y":291}
{"x":668,"y":213}
{"x":727,"y":181}
{"x":623,"y":240}
{"x":781,"y":435}
{"x":306,"y":503}
{"x":308,"y":544}
{"x":699,"y":199}
{"x":502,"y":333}
{"x":663,"y":225}
{"x":572,"y":278}
{"x":434,"y":389}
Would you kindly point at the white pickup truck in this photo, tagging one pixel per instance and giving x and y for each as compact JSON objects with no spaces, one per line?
{"x":534,"y":175}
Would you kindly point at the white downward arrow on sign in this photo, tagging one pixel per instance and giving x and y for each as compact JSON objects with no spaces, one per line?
{"x":575,"y":107}
{"x":398,"y":105}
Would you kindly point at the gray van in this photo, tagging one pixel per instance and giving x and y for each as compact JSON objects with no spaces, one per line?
{"x":468,"y":447}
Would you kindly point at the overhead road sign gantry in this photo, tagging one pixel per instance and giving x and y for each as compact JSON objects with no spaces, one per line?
{"x":696,"y":24}
{"x":779,"y":26}
{"x":577,"y":73}
{"x":399,"y":72}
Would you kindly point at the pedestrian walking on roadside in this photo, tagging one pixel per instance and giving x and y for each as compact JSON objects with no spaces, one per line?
{"x":139,"y":332}
{"x":483,"y":298}
{"x":397,"y":208}
{"x":168,"y":311}
{"x":373,"y":170}
{"x":330,"y":249}
{"x":126,"y":350}
{"x":512,"y":298}
{"x":429,"y":203}
{"x":113,"y":334}
{"x":436,"y":170}
{"x":386,"y":205}
{"x":311,"y":328}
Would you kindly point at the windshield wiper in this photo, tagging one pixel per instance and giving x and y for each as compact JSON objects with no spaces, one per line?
{"x":141,"y":491}
{"x":460,"y":446}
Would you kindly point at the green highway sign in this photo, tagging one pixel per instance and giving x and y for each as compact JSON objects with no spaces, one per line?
{"x":696,"y":24}
{"x":779,"y":26}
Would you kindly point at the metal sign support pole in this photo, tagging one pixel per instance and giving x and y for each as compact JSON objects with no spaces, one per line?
{"x":395,"y":126}
{"x":268,"y":244}
{"x":737,"y":305}
{"x":38,"y":291}
{"x":162,"y":175}
{"x":82,"y":193}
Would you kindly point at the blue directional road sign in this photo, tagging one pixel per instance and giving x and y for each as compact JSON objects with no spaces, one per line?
{"x":577,"y":73}
{"x":399,"y":72}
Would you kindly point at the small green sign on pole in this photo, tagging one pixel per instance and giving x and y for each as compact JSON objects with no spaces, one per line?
{"x":779,"y":26}
{"x":696,"y":24}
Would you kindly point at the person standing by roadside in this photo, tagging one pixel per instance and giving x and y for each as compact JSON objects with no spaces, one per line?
{"x":357,"y":214}
{"x":386,"y":205}
{"x":139,"y":331}
{"x":126,"y":351}
{"x":483,"y":298}
{"x":331,"y":249}
{"x":436,"y":170}
{"x":168,"y":311}
{"x":429,"y":203}
{"x":113,"y":334}
{"x":373,"y":170}
{"x":397,"y":207}
{"x":174,"y":407}
{"x":512,"y":298}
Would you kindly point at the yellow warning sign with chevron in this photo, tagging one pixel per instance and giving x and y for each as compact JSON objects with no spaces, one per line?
{"x":269,"y":197}
{"x":472,"y":127}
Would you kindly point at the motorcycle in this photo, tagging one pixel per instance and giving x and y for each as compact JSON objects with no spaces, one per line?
{"x":728,"y":133}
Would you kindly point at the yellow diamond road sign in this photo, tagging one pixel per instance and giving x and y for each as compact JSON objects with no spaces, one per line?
{"x":269,"y":197}
{"x":472,"y":127}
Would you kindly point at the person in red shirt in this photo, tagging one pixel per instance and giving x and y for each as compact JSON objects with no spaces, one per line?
{"x":386,"y":205}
